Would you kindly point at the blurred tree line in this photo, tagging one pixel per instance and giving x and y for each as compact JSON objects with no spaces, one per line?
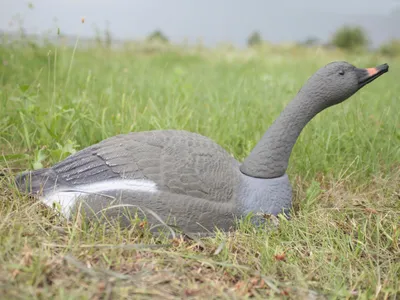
{"x":348,"y":38}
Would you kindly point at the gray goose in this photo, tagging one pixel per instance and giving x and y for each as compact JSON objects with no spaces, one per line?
{"x":187,"y":179}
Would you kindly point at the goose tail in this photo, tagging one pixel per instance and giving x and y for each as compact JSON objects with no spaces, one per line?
{"x":37,"y":181}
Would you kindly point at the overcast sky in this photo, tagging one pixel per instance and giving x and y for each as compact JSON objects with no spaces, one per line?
{"x":212,"y":20}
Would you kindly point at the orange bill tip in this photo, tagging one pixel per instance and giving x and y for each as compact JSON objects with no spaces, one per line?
{"x":372,"y":71}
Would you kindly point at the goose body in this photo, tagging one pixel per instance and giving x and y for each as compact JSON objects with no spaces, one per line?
{"x":185,"y":178}
{"x":171,"y":172}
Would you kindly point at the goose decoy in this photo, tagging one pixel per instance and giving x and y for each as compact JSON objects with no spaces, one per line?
{"x":186,"y":178}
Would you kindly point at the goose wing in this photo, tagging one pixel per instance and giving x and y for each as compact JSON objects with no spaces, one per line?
{"x":175,"y":161}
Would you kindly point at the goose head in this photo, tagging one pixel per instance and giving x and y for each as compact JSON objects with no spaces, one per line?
{"x":337,"y":81}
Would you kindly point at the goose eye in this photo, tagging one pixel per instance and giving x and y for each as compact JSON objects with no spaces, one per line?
{"x":341,"y":72}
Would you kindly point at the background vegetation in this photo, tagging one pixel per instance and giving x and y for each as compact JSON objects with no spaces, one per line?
{"x":350,"y":38}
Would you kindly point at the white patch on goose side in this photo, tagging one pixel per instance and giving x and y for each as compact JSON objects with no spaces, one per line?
{"x":67,"y":198}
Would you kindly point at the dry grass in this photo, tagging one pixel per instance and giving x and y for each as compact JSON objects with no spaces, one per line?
{"x":334,"y":229}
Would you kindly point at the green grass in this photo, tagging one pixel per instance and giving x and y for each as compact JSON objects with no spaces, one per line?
{"x":342,"y":242}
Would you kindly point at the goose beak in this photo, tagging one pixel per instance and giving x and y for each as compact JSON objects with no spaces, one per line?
{"x":368,"y":75}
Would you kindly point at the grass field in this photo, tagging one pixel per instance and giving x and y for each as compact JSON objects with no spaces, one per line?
{"x":342,"y":242}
